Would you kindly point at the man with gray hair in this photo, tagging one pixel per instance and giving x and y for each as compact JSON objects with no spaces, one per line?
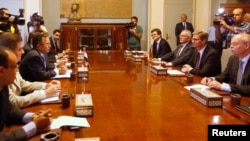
{"x":182,"y":54}
{"x":236,"y":76}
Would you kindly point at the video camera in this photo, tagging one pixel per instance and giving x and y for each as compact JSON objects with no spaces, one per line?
{"x":17,"y":20}
{"x":37,"y":19}
{"x":228,"y":18}
{"x":129,"y":25}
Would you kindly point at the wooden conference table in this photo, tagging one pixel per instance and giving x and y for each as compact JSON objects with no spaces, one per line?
{"x":131,"y":104}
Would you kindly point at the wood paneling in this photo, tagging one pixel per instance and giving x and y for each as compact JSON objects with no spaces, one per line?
{"x":229,"y":7}
{"x":98,"y":8}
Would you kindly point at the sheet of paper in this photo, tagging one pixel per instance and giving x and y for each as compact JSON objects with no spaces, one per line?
{"x":51,"y":99}
{"x":196,"y":86}
{"x":175,"y":72}
{"x":66,"y":75}
{"x":69,"y":121}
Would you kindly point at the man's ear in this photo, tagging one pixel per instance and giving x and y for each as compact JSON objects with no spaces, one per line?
{"x":1,"y":70}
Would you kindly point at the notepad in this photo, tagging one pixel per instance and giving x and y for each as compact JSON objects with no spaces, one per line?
{"x":66,"y":75}
{"x":175,"y":73}
{"x":54,"y":99}
{"x":69,"y":121}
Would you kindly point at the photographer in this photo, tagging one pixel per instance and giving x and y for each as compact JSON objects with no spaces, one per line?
{"x":135,"y":34}
{"x":7,"y":22}
{"x":238,"y":25}
{"x":36,"y":24}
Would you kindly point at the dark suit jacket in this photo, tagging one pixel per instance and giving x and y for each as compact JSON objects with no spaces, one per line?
{"x":229,"y":75}
{"x":53,"y":51}
{"x":179,"y":27}
{"x":183,"y":58}
{"x":164,"y":48}
{"x":210,"y":64}
{"x":32,"y":68}
{"x":10,"y":115}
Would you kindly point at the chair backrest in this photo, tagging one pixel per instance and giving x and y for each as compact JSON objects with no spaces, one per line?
{"x":226,"y":53}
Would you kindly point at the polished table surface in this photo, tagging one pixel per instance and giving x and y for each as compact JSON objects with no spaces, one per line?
{"x":132,"y":104}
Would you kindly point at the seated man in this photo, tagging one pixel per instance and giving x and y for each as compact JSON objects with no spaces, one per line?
{"x":9,"y":114}
{"x":205,"y":60}
{"x":182,"y":54}
{"x":34,"y":92}
{"x":35,"y":66}
{"x":55,"y":47}
{"x":236,"y":76}
{"x":160,"y":45}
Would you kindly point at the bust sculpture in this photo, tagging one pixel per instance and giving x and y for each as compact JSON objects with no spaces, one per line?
{"x":74,"y":16}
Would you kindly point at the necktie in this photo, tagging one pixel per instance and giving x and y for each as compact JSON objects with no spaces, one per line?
{"x":197,"y":61}
{"x":56,"y":46}
{"x":157,"y":48}
{"x":44,"y":61}
{"x":179,"y":51}
{"x":240,"y":72}
{"x":184,"y":25}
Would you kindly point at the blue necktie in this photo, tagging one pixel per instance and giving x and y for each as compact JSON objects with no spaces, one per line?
{"x":44,"y":61}
{"x":240,"y":72}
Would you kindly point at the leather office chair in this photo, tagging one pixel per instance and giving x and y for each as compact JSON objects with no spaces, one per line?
{"x":226,"y":53}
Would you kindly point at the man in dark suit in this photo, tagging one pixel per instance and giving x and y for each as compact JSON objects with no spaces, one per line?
{"x":205,"y":60}
{"x":182,"y":54}
{"x":55,"y":45}
{"x":12,"y":115}
{"x":35,"y":66}
{"x":235,"y":78}
{"x":160,"y":45}
{"x":181,"y":26}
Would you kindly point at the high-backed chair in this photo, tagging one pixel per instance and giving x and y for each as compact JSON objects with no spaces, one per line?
{"x":226,"y":53}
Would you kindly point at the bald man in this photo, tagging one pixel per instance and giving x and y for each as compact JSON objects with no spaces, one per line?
{"x":239,"y":25}
{"x":235,"y":78}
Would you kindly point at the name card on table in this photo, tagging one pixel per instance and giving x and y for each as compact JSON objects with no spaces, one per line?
{"x":175,"y":73}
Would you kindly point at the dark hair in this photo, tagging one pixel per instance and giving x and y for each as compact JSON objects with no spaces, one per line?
{"x":1,"y":11}
{"x":37,"y":38}
{"x":4,"y":56}
{"x":157,"y":30}
{"x":134,"y":17}
{"x":56,"y":30}
{"x":10,"y":40}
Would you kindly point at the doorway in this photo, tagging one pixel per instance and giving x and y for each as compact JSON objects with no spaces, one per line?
{"x":173,"y":11}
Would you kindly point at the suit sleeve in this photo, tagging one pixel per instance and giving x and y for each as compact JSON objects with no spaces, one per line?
{"x":14,"y":135}
{"x":20,"y":85}
{"x":33,"y":69}
{"x":165,"y":48}
{"x":210,"y":65}
{"x":229,"y":75}
{"x":184,"y":57}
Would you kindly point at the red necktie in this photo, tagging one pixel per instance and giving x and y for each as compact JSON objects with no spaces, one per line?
{"x":197,"y":61}
{"x":56,"y":46}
